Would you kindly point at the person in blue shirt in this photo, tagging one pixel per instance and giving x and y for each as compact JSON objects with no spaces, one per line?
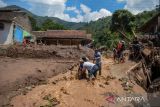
{"x":97,"y":60}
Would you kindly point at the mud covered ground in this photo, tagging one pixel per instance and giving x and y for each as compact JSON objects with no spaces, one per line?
{"x":65,"y":90}
{"x":19,"y":75}
{"x":43,"y":51}
{"x":45,"y":76}
{"x":23,"y":68}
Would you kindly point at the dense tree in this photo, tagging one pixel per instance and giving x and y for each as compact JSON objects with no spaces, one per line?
{"x":122,"y":22}
{"x":143,"y":17}
{"x":109,"y":30}
{"x":48,"y":24}
{"x":33,"y":23}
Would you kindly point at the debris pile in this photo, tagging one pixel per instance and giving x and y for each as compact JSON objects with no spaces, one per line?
{"x":39,"y":51}
{"x":126,"y":84}
{"x":51,"y":101}
{"x":147,"y":73}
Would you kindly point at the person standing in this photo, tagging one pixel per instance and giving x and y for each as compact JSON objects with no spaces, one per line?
{"x":115,"y":54}
{"x":122,"y":52}
{"x":97,"y":60}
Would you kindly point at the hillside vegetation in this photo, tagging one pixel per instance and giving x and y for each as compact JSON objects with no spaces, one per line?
{"x":122,"y":25}
{"x":41,"y":19}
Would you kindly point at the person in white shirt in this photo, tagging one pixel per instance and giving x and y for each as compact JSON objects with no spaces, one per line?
{"x":91,"y":67}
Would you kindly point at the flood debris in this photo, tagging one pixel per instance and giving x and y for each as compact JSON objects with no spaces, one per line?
{"x":106,"y":83}
{"x":147,"y":72}
{"x":110,"y":77}
{"x":126,"y":84}
{"x":38,"y":51}
{"x":100,"y":85}
{"x":54,"y":82}
{"x":52,"y":101}
{"x":64,"y":91}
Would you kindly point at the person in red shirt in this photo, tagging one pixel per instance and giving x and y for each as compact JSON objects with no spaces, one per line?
{"x":120,"y":49}
{"x":24,"y":42}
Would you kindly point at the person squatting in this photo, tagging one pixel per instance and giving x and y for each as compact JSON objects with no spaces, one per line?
{"x":92,"y":68}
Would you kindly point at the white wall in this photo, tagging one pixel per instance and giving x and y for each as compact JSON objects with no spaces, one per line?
{"x":6,"y":35}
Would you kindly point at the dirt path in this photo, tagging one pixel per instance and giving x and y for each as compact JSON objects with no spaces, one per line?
{"x":19,"y":75}
{"x":65,"y":90}
{"x":119,"y":70}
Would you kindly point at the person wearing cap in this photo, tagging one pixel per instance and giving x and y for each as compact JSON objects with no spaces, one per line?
{"x":97,"y":60}
{"x":90,"y":67}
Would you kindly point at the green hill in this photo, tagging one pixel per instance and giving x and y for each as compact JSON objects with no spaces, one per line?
{"x":104,"y":36}
{"x":41,"y":19}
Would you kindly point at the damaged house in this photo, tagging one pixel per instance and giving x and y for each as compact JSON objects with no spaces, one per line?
{"x":150,"y":62}
{"x":14,"y":26}
{"x":151,"y":30}
{"x":152,"y":26}
{"x":62,"y":37}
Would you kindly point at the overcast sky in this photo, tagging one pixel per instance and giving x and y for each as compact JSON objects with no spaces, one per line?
{"x":81,"y":10}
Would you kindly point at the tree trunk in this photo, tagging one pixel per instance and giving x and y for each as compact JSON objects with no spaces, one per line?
{"x":134,"y":33}
{"x":124,"y":35}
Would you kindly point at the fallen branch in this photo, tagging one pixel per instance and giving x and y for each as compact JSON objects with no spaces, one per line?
{"x":124,"y":35}
{"x":133,"y":67}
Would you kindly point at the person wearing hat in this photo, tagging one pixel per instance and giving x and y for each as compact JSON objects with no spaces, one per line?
{"x":90,"y":67}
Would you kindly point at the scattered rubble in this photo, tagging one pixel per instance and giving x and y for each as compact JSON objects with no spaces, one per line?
{"x":52,"y":101}
{"x":126,"y":84}
{"x":100,"y":85}
{"x":64,"y":91}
